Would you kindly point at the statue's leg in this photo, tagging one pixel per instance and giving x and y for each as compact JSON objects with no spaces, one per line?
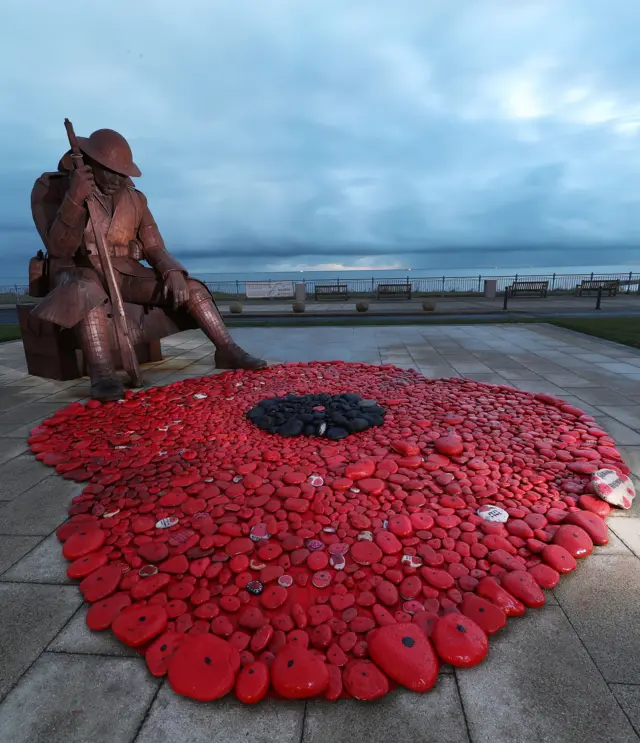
{"x":228,"y":354}
{"x":94,"y":334}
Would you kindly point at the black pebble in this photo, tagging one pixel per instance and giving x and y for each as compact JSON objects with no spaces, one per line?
{"x":335,"y":434}
{"x":292,"y":427}
{"x":359,"y":424}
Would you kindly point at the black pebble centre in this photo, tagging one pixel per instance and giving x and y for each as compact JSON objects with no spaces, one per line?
{"x":331,"y":416}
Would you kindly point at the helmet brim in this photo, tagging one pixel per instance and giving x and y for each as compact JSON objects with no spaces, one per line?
{"x":133,"y":171}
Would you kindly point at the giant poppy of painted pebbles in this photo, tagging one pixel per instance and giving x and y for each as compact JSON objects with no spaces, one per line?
{"x":235,"y":559}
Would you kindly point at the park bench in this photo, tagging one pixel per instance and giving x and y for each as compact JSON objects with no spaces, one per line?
{"x":394,"y":291}
{"x":593,"y":285}
{"x":528,"y":287}
{"x":331,"y":291}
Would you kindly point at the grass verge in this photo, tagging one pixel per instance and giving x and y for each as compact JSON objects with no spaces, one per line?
{"x":625,"y":330}
{"x":9,"y":333}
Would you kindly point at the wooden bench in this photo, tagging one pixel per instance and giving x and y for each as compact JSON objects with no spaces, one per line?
{"x":332,"y":291}
{"x":528,"y":287}
{"x":394,"y":291}
{"x":54,"y":353}
{"x":593,"y":285}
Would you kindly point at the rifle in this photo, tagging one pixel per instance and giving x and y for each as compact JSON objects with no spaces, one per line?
{"x":127,"y":352}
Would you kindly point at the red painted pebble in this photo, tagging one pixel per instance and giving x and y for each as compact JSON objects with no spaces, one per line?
{"x":364,"y":681}
{"x":273,"y":596}
{"x":101,"y":583}
{"x":449,"y":445}
{"x":365,"y":553}
{"x":252,"y":683}
{"x":204,"y":667}
{"x":296,"y":673}
{"x":160,"y":652}
{"x":84,"y":566}
{"x":202,"y":513}
{"x":459,"y":640}
{"x":83,"y":542}
{"x":137,"y":625}
{"x":523,"y":586}
{"x":153,"y":551}
{"x":101,"y":614}
{"x":489,"y":617}
{"x":488,"y":588}
{"x":405,"y":654}
{"x":544,"y":575}
{"x":574,"y":539}
{"x":592,"y":524}
{"x":558,"y":558}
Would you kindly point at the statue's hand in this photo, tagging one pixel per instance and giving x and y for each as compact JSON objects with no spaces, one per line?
{"x":176,"y":285}
{"x":82,"y":184}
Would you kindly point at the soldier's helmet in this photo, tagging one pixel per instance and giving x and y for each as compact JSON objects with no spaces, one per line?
{"x":110,"y":149}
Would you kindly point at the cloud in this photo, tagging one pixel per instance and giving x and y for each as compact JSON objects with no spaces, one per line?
{"x":293,"y":133}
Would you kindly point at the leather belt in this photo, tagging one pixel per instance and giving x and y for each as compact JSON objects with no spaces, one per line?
{"x":120,"y":251}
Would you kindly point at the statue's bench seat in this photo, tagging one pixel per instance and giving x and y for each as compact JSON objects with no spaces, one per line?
{"x":54,"y":353}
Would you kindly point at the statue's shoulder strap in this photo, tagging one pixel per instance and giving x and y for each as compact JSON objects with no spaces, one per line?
{"x":139,"y":200}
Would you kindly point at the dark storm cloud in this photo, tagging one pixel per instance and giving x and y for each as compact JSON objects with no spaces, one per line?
{"x":291,"y":133}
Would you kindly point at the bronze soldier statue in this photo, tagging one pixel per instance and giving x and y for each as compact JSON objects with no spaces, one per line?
{"x":79,"y":298}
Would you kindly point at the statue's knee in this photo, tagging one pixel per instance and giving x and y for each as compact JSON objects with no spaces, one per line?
{"x":197,"y":292}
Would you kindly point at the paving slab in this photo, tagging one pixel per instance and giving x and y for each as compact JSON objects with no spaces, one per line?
{"x":11,"y":448}
{"x":600,"y":600}
{"x":76,"y":637}
{"x":174,"y":719}
{"x":30,"y":617}
{"x":19,"y":474}
{"x":622,"y":435}
{"x":77,"y":699}
{"x":12,"y":549}
{"x":628,"y":531}
{"x":615,"y":546}
{"x":30,"y":413}
{"x":396,"y":718}
{"x":539,"y":685}
{"x":43,"y":564}
{"x":629,"y":414}
{"x":40,"y":509}
{"x":629,"y":699}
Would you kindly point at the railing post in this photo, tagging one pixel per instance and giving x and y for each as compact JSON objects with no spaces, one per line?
{"x":629,"y":284}
{"x":506,"y":298}
{"x":553,"y":282}
{"x":479,"y":282}
{"x":599,"y":298}
{"x":237,"y":287}
{"x":443,"y":280}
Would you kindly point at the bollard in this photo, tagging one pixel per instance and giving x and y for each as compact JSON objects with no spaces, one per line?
{"x":599,"y":298}
{"x":506,"y":298}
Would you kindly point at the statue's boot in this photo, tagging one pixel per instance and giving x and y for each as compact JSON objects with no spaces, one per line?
{"x":94,"y":336}
{"x":231,"y":356}
{"x":228,"y":354}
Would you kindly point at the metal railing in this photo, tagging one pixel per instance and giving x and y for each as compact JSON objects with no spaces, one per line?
{"x":426,"y":286}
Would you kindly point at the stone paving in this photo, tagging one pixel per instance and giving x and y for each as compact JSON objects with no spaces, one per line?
{"x":569,"y":672}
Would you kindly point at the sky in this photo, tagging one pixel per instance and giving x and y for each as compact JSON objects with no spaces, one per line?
{"x":300,"y":135}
